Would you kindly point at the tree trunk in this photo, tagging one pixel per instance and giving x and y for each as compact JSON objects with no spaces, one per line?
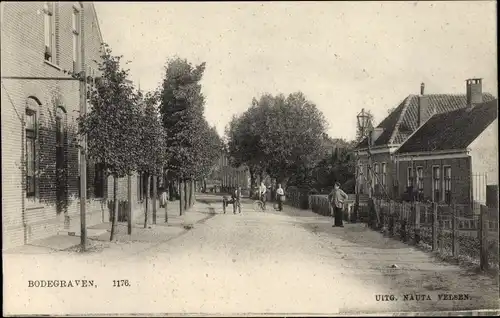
{"x":191,"y":192}
{"x":129,"y":198}
{"x":155,"y":198}
{"x":181,"y":198}
{"x":171,"y":190}
{"x":186,"y":198}
{"x":147,"y":199}
{"x":115,"y":208}
{"x":204,"y":185}
{"x":252,"y":182}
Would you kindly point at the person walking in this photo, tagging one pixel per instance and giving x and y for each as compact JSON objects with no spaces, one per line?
{"x":337,"y":198}
{"x":237,"y":200}
{"x":280,"y":196}
{"x":263,"y":194}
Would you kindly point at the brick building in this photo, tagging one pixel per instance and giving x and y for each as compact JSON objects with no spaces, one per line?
{"x":41,"y":42}
{"x":446,"y":159}
{"x":395,"y":129}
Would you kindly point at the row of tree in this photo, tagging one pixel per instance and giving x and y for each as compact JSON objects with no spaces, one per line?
{"x":161,"y":134}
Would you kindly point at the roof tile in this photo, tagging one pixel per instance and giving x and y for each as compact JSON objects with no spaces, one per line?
{"x":455,"y":129}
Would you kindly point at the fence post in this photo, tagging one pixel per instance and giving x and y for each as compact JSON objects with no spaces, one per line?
{"x":416,"y":222}
{"x":434,"y":227}
{"x":483,"y":237}
{"x":454,"y":230}
{"x":391,"y":219}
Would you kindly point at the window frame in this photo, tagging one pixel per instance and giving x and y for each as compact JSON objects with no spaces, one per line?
{"x":50,"y":51}
{"x":409,"y":177}
{"x":31,"y":134}
{"x":419,"y":178}
{"x":436,"y":181}
{"x":76,"y":29}
{"x":446,"y":183}
{"x":384,"y":173}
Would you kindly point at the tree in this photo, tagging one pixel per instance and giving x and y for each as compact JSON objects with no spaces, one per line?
{"x":282,"y":136}
{"x":181,"y":108}
{"x":153,"y":147}
{"x":113,"y":124}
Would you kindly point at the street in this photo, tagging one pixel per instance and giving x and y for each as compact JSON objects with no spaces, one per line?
{"x":254,"y":262}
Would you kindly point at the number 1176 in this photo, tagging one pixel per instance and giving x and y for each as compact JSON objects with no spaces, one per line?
{"x":121,"y":283}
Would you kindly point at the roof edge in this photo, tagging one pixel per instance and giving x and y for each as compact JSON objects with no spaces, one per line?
{"x":401,"y":116}
{"x":429,"y":153}
{"x":97,"y":21}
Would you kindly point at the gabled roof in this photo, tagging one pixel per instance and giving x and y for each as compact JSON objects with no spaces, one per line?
{"x":403,"y":121}
{"x":452,"y":130}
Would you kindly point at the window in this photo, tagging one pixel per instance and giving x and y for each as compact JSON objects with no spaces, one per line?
{"x":50,"y":31}
{"x":30,"y":153}
{"x":447,"y":184}
{"x":384,"y":174}
{"x":377,"y":173}
{"x":76,"y":39}
{"x":100,"y":184}
{"x":409,"y":177}
{"x":420,"y":179}
{"x":436,"y":184}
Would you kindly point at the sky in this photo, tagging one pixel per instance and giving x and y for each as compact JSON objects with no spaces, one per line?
{"x":344,"y":56}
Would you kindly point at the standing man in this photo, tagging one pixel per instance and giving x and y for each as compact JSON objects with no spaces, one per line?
{"x":280,"y":196}
{"x":337,"y":198}
{"x":263,"y":194}
{"x":237,"y":198}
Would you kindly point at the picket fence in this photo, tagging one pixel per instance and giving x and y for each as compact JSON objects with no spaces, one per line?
{"x":453,"y":231}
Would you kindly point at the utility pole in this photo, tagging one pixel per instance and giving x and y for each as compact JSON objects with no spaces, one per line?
{"x":83,"y":139}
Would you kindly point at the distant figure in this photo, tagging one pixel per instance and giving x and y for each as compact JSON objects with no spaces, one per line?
{"x":263,"y":194}
{"x":280,"y":196}
{"x":337,"y":198}
{"x":163,"y":197}
{"x":237,"y":200}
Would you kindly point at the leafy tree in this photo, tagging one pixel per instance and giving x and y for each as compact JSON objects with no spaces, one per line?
{"x":279,"y":135}
{"x":153,"y":146}
{"x":113,"y":124}
{"x":189,"y":139}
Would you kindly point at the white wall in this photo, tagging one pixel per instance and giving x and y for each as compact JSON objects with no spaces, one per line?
{"x":484,"y":158}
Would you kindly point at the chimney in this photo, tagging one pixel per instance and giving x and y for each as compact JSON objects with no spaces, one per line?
{"x":474,"y":91}
{"x":425,"y":110}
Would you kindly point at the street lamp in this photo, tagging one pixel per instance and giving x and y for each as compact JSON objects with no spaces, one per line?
{"x":365,"y":127}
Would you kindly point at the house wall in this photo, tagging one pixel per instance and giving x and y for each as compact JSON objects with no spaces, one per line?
{"x":378,"y":158}
{"x":22,"y":49}
{"x":484,"y":154}
{"x":460,"y":177}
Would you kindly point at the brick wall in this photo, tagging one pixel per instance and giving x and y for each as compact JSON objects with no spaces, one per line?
{"x":25,"y":220}
{"x":379,"y":158}
{"x":460,"y":180}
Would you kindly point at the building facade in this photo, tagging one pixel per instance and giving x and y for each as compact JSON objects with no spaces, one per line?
{"x":453,"y":157}
{"x":42,"y":44}
{"x":395,"y":129}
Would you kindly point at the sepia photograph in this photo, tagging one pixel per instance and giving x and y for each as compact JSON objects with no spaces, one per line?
{"x":241,"y":158}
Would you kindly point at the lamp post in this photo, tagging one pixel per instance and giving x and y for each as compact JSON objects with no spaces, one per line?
{"x":364,"y":126}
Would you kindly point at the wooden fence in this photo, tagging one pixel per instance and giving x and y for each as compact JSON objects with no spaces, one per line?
{"x":450,"y":230}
